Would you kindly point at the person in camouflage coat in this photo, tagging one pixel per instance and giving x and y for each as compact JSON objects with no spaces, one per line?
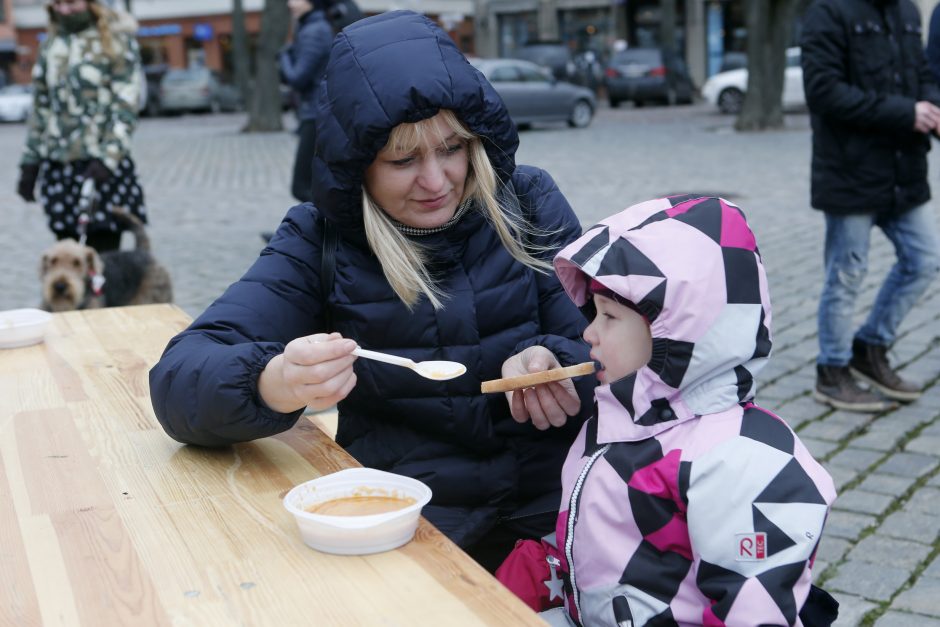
{"x":87,"y":84}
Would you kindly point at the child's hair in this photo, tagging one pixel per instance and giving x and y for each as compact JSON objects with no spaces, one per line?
{"x":404,"y":260}
{"x":102,"y":16}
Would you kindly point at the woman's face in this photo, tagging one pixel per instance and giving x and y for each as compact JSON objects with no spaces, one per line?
{"x":66,"y":7}
{"x":619,"y":338}
{"x":421,"y":188}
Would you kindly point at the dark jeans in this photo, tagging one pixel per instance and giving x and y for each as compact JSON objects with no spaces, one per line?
{"x":490,"y":551}
{"x":302,"y":184}
{"x":102,"y":240}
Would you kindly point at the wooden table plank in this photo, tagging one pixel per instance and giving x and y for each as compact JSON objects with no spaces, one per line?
{"x":106,"y":520}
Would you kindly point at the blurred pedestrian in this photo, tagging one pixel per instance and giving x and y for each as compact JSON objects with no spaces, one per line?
{"x":933,"y":43}
{"x":302,"y":66}
{"x":873,"y":105}
{"x":86,"y":88}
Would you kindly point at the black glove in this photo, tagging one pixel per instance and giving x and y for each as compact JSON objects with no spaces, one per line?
{"x":27,"y":183}
{"x":97,"y":170}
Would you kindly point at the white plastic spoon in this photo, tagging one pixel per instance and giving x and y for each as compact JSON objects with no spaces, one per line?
{"x":437,"y":370}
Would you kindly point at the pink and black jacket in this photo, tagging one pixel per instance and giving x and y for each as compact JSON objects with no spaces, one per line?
{"x":683,"y":502}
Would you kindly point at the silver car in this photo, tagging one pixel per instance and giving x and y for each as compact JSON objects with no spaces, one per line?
{"x":532,"y":94}
{"x":196,"y":89}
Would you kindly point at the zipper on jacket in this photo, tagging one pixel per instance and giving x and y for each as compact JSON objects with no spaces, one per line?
{"x":573,"y":504}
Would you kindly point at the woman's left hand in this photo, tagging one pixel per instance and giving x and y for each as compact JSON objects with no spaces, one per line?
{"x":548,"y":404}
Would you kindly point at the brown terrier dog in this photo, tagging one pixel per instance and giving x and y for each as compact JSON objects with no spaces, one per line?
{"x":75,"y":276}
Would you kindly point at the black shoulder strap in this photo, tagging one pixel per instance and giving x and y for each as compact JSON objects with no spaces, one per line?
{"x":327,"y":271}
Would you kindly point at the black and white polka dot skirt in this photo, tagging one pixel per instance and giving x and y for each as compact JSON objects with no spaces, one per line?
{"x":60,"y":190}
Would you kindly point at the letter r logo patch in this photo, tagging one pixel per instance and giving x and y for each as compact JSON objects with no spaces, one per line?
{"x":750,"y":547}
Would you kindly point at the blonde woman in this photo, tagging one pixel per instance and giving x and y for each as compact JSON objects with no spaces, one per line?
{"x":86,"y":90}
{"x":443,"y":252}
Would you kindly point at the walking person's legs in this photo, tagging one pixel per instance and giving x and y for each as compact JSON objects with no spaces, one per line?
{"x":846,"y":264}
{"x":917,"y":246}
{"x":302,"y":182}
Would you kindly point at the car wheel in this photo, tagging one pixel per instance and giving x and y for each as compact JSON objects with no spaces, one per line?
{"x":581,"y":114}
{"x":731,"y":101}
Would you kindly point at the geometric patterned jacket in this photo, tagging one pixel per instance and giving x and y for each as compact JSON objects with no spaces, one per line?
{"x":683,"y":502}
{"x":85,"y":101}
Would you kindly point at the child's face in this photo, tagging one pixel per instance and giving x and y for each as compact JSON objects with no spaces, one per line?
{"x":619,"y":338}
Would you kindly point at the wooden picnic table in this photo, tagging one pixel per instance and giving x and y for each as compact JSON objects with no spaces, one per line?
{"x":105,"y":520}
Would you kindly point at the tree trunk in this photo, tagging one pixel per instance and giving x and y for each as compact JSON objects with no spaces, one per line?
{"x":240,"y":50}
{"x":264,"y":113}
{"x":768,"y":28}
{"x":667,"y":42}
{"x":127,"y":6}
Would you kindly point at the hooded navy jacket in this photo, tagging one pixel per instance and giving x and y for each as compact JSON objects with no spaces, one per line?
{"x":480,"y":464}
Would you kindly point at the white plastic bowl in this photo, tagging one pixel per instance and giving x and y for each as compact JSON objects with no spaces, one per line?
{"x":357,"y":535}
{"x":22,"y":327}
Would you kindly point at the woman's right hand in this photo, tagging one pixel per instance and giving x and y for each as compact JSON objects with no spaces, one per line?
{"x":313,"y":371}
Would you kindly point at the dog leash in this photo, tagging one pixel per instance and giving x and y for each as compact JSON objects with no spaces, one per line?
{"x":86,"y":202}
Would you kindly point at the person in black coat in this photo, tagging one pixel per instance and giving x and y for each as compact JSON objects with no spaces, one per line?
{"x":873,"y":105}
{"x":302,"y":66}
{"x":933,"y":43}
{"x":443,"y":252}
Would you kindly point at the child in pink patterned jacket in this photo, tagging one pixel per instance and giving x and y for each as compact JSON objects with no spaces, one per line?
{"x":684,"y":503}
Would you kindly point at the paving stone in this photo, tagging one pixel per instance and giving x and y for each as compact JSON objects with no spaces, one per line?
{"x":864,"y":502}
{"x":831,"y":549}
{"x":818,"y":448}
{"x":908,"y":464}
{"x":933,"y":570}
{"x":885,"y":551}
{"x":847,"y":525}
{"x":856,"y":459}
{"x":923,"y":598}
{"x":841,"y":476}
{"x":876,"y":582}
{"x":826,"y":429}
{"x":852,"y":609}
{"x":925,"y":500}
{"x":926,"y":444}
{"x":903,"y":619}
{"x":878,"y":440}
{"x":886,"y":484}
{"x":911,"y":525}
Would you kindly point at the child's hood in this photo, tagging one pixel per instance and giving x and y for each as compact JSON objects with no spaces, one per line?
{"x":691,"y":266}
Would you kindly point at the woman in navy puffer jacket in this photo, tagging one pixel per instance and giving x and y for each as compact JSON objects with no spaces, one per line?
{"x":452,"y":266}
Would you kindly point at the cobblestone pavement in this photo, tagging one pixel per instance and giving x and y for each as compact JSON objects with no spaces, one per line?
{"x":211,"y":190}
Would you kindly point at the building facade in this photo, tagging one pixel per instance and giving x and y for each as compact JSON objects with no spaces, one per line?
{"x":705,"y":29}
{"x":184,"y":33}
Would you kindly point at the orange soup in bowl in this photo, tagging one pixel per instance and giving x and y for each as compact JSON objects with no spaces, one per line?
{"x":360,"y":505}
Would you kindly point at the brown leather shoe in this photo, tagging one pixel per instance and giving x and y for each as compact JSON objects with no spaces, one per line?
{"x":870,"y":364}
{"x":836,"y":387}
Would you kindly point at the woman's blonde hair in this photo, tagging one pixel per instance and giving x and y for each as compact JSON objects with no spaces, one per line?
{"x":404,"y":261}
{"x":102,"y":17}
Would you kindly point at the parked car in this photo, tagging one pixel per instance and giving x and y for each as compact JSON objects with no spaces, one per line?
{"x":726,"y":90}
{"x":197,"y":89}
{"x":643,"y":75}
{"x":555,"y":56}
{"x":533,"y":94}
{"x":16,"y":101}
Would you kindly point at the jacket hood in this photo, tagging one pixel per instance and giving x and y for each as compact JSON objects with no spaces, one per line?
{"x":691,"y":265}
{"x":384,"y":70}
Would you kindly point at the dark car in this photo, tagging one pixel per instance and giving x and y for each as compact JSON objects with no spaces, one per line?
{"x":642,"y":75}
{"x":555,"y":56}
{"x":150,"y":89}
{"x":532,"y":94}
